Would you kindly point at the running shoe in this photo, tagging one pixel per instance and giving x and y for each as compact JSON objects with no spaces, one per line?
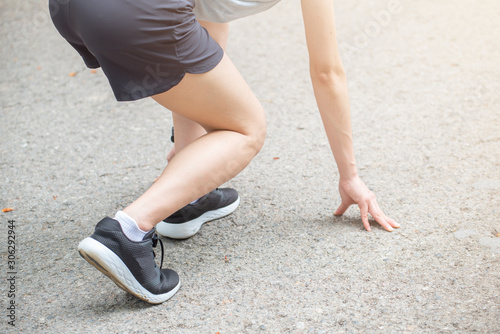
{"x":130,"y":264}
{"x":187,"y":221}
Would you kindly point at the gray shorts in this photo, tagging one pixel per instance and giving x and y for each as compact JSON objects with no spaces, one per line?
{"x":222,"y":11}
{"x":144,"y":47}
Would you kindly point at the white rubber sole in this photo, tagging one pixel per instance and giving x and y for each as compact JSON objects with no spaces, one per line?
{"x":190,"y":228}
{"x":107,"y":262}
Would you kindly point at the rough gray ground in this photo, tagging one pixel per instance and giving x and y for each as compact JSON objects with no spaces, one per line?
{"x":424,"y":86}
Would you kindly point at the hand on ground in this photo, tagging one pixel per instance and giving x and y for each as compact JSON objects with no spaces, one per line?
{"x":354,"y":191}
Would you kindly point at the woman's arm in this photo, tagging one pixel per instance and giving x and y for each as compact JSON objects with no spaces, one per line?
{"x":330,"y":89}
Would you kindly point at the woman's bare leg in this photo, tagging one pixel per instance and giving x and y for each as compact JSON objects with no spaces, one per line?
{"x":223,"y":104}
{"x":186,"y":130}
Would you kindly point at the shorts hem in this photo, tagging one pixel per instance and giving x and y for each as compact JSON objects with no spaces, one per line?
{"x":128,"y":96}
{"x":93,"y":65}
{"x":206,"y":67}
{"x":124,"y":97}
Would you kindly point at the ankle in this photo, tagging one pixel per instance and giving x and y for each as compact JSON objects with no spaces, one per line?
{"x":130,"y":227}
{"x":142,"y":222}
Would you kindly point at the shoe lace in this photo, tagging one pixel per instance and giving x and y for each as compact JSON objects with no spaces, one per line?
{"x":155,"y":242}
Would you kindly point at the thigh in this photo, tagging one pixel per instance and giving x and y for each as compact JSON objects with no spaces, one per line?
{"x":186,"y":130}
{"x":218,"y":100}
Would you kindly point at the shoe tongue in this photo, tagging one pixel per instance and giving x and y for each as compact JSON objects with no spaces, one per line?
{"x":149,"y":235}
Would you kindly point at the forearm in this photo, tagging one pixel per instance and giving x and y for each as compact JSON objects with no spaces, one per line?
{"x":329,"y":81}
{"x":330,"y":90}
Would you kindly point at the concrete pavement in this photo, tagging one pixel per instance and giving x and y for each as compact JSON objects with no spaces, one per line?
{"x":424,"y":78}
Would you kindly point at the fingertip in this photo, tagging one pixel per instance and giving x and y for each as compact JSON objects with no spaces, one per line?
{"x":388,"y":227}
{"x":393,"y":223}
{"x":366,"y":224}
{"x":340,"y":210}
{"x":338,"y":213}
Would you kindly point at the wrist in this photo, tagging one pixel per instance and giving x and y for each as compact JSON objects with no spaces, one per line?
{"x":348,"y":175}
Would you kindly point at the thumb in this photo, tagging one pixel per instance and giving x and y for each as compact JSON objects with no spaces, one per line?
{"x":341,"y":209}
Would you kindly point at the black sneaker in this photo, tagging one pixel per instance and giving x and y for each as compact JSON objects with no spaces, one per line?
{"x":187,"y":221}
{"x":128,"y":263}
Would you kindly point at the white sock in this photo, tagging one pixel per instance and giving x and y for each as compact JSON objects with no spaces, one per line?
{"x":129,"y":226}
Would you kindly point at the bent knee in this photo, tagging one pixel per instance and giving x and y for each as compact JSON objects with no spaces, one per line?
{"x":258,"y":137}
{"x":260,"y":129}
{"x":256,"y":132}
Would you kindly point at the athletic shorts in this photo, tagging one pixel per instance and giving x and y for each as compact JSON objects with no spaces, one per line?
{"x":144,"y":47}
{"x":222,"y":11}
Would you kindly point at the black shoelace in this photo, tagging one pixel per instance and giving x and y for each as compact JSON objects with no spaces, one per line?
{"x":155,"y":242}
